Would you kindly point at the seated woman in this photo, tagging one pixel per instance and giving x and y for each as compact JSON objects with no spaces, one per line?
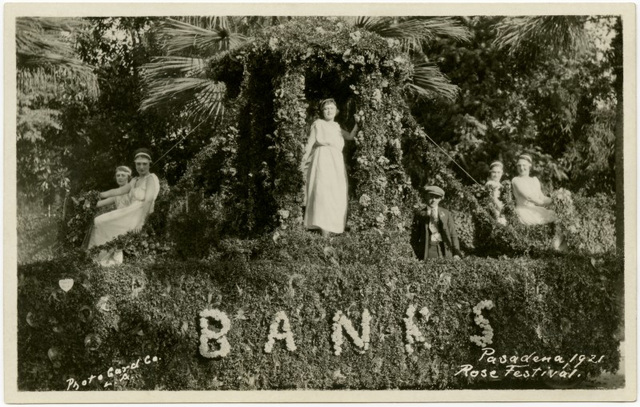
{"x":494,"y":186}
{"x":123,"y":177}
{"x":530,"y":201}
{"x":142,"y":191}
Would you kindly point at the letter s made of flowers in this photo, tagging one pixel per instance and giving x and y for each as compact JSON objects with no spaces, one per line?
{"x":220,"y":336}
{"x":482,"y":322}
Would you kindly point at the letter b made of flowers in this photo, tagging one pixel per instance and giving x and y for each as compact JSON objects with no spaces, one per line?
{"x":220,"y":337}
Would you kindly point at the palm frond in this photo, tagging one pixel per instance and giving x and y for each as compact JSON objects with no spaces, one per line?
{"x":429,"y":82}
{"x":45,"y":55}
{"x":413,"y":32}
{"x":173,"y":66}
{"x":532,"y":34}
{"x":200,"y":98}
{"x":185,"y":38}
{"x":56,"y":80}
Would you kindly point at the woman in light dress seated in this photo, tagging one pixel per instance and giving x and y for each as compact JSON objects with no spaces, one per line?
{"x":123,"y":177}
{"x":494,"y":186}
{"x":530,"y":201}
{"x":142,"y":192}
{"x":324,"y":172}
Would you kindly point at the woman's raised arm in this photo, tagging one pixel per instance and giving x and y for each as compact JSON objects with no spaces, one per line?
{"x":105,"y":202}
{"x":116,"y":191}
{"x":354,"y":131}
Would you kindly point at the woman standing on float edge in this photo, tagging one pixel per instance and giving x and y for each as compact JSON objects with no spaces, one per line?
{"x":142,"y":192}
{"x":325,"y":174}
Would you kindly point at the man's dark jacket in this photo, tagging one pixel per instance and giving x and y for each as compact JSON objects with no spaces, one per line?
{"x":447,"y":227}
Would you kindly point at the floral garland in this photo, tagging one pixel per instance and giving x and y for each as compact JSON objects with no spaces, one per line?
{"x":340,"y":321}
{"x":412,"y":333}
{"x":286,"y":333}
{"x":220,"y":337}
{"x":482,"y":322}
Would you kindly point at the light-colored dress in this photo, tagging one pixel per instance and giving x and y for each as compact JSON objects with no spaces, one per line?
{"x":122,"y":200}
{"x":110,"y":225}
{"x":527,"y":191}
{"x":326,"y":178}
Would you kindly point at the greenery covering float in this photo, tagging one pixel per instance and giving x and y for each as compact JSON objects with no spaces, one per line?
{"x":558,"y":305}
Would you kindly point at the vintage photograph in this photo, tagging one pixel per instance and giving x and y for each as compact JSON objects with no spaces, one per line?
{"x":258,"y":201}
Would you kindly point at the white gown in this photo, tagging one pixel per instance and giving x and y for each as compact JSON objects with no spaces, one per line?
{"x":110,"y":225}
{"x":526,"y":189}
{"x":326,"y":178}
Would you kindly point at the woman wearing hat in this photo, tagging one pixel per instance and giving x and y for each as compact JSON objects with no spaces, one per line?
{"x":142,"y":192}
{"x":325,"y":193}
{"x":433,"y":233}
{"x":494,"y":185}
{"x":530,"y":201}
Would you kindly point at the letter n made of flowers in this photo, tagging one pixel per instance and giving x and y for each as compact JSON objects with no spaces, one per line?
{"x":342,"y":323}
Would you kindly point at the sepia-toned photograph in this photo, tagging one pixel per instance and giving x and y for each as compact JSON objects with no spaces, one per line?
{"x":381,"y":204}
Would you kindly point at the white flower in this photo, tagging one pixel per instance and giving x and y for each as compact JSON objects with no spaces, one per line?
{"x":380,"y":218}
{"x":284,"y":214}
{"x":377,"y":95}
{"x":355,"y":36}
{"x":365,"y":200}
{"x":395,"y":211}
{"x":383,"y":161}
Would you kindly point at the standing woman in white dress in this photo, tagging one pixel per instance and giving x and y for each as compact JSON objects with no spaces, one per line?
{"x":324,"y":171}
{"x":530,"y":201}
{"x":142,"y":192}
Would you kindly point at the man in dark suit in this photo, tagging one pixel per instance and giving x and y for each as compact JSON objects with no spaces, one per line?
{"x":433,"y":233}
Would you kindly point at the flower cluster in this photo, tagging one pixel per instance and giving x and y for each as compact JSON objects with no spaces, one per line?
{"x":219,"y":337}
{"x":340,"y":321}
{"x":365,"y":200}
{"x":286,"y":333}
{"x":482,"y":322}
{"x":412,"y":332}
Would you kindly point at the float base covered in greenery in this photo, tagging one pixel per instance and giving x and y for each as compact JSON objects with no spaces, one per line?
{"x":115,"y":317}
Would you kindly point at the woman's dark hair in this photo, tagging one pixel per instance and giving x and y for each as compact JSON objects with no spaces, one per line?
{"x":144,"y":152}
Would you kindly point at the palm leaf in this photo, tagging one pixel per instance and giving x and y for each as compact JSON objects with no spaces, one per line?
{"x":413,"y":32}
{"x":429,"y":82}
{"x":184,"y":38}
{"x":173,"y":66}
{"x":200,"y":98}
{"x":530,"y":35}
{"x":45,"y":55}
